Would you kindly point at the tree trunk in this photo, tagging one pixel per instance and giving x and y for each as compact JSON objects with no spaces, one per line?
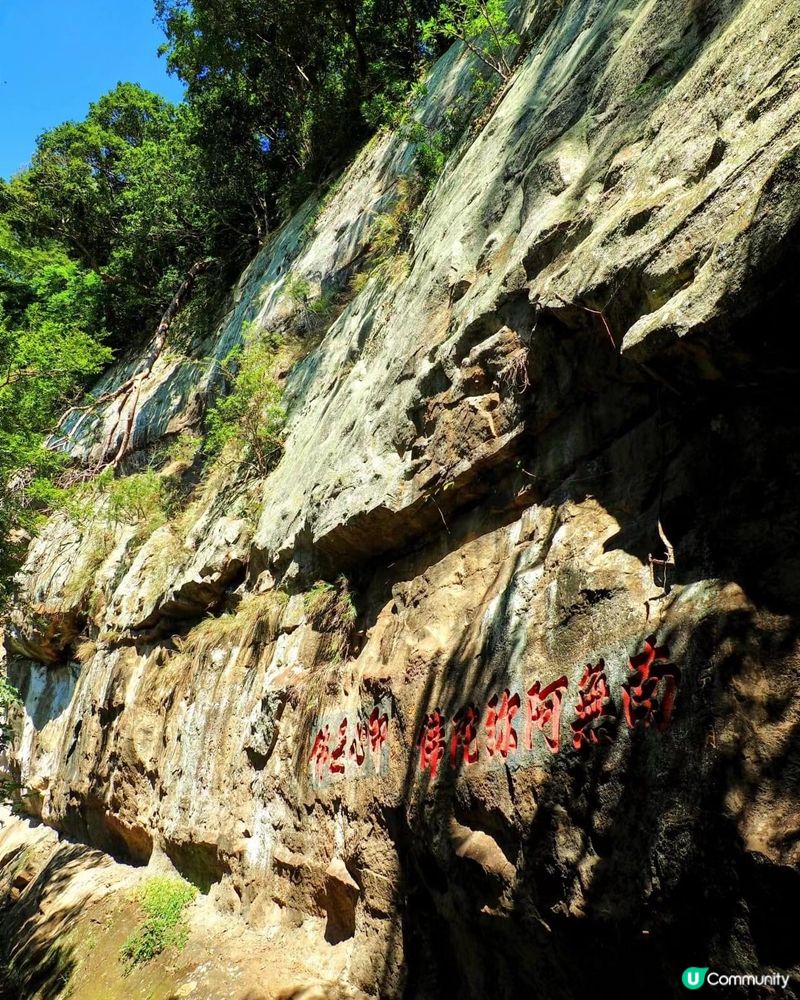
{"x":348,"y":12}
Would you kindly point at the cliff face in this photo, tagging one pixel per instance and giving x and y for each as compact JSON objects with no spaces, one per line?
{"x":540,"y":754}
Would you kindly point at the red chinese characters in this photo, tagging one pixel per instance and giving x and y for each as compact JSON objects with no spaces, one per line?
{"x":359,"y":747}
{"x":648,"y":693}
{"x":501,"y":737}
{"x":594,"y":709}
{"x":431,"y":742}
{"x":461,"y":739}
{"x":543,"y":711}
{"x":321,"y":752}
{"x":465,"y":736}
{"x":357,"y":751}
{"x":378,"y":731}
{"x":337,"y":757}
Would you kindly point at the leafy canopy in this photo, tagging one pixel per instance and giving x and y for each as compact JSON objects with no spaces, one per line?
{"x":482,"y":25}
{"x":305,"y":79}
{"x":119,"y":193}
{"x":50,"y":344}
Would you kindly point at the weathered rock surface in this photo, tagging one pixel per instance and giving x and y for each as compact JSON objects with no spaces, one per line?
{"x":70,"y":908}
{"x":588,"y":343}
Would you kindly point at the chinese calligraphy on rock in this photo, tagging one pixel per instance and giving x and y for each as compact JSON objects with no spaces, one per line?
{"x":511,"y":724}
{"x":348,"y":748}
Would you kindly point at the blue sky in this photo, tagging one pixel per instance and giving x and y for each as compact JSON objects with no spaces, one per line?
{"x":58,"y":55}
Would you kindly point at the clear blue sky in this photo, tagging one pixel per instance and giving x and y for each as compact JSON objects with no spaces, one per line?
{"x":58,"y":55}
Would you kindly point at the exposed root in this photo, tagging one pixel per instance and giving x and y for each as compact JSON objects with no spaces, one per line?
{"x":514,"y":372}
{"x":130,"y":390}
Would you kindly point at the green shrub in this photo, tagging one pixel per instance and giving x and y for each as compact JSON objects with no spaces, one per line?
{"x":96,"y":546}
{"x":141,"y":497}
{"x":9,"y":696}
{"x":314,"y":311}
{"x":145,"y":500}
{"x":434,"y":146}
{"x":250,"y":418}
{"x":482,"y":25}
{"x":430,"y":156}
{"x":392,"y":231}
{"x":180,"y":452}
{"x":296,"y":288}
{"x":164,"y":899}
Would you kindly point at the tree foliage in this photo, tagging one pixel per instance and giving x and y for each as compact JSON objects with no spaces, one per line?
{"x":482,"y":25}
{"x":121,"y":217}
{"x":96,"y":236}
{"x":51,"y":336}
{"x":119,"y":192}
{"x":294,"y":84}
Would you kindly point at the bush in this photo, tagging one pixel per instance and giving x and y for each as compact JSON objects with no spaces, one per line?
{"x":296,"y":288}
{"x":392,"y":231}
{"x":142,"y":498}
{"x":179,"y":454}
{"x":434,"y":146}
{"x":164,"y":900}
{"x":482,"y":25}
{"x":314,"y":311}
{"x":391,"y":106}
{"x":9,"y":696}
{"x":250,"y":418}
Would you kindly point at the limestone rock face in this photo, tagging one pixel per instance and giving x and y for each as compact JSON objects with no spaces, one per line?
{"x":556,"y":461}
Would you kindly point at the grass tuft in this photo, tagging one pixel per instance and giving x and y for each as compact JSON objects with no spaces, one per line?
{"x":164,"y":899}
{"x":253,"y":625}
{"x":331,"y":611}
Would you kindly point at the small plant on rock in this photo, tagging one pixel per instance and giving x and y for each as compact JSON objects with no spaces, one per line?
{"x":331,"y":611}
{"x":253,"y":626}
{"x":164,"y":899}
{"x":315,"y":311}
{"x":391,"y":231}
{"x":250,"y":418}
{"x":141,"y":499}
{"x":9,"y":697}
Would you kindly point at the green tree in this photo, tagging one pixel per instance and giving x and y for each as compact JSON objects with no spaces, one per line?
{"x":292,"y":85}
{"x":50,"y":345}
{"x":119,"y":192}
{"x":482,"y":25}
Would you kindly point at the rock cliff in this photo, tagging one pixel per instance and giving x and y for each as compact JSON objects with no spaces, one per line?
{"x":541,"y":732}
